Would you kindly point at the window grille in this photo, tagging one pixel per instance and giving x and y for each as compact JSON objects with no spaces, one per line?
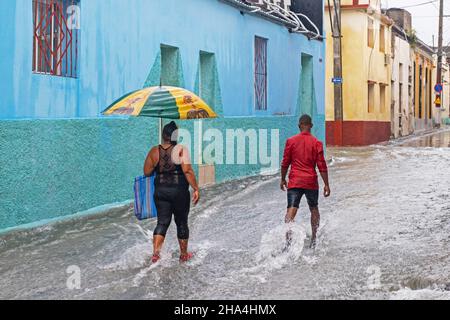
{"x":56,"y":37}
{"x":260,"y":73}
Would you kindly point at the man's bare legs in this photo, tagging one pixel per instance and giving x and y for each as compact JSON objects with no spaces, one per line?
{"x":315,"y":224}
{"x":290,"y":216}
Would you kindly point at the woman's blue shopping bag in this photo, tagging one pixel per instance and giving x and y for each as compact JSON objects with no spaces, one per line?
{"x":144,"y":203}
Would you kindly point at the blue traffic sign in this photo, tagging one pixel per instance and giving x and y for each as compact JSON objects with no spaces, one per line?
{"x":438,"y":88}
{"x":337,"y":80}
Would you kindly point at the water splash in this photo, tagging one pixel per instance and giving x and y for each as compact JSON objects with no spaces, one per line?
{"x":275,"y":252}
{"x":200,"y":250}
{"x":136,"y":256}
{"x":148,"y":234}
{"x":337,"y":160}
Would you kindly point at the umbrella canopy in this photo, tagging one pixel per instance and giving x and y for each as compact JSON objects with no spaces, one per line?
{"x":161,"y":102}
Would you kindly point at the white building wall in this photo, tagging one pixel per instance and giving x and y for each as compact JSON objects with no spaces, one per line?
{"x":402,"y":113}
{"x":445,"y":106}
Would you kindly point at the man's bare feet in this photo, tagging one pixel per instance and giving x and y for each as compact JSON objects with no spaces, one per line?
{"x":313,"y":244}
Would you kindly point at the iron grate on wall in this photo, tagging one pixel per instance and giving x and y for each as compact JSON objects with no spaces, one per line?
{"x":260,"y":73}
{"x":55,"y":37}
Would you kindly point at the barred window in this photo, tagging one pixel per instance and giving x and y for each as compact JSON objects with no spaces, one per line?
{"x":260,"y":73}
{"x":56,"y":37}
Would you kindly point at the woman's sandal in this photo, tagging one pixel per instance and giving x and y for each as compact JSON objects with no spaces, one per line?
{"x":186,"y":257}
{"x":156,"y":257}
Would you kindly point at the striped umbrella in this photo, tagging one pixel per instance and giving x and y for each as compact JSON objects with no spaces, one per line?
{"x":161,"y":102}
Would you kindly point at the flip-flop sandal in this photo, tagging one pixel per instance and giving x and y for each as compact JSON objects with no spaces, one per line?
{"x":156,"y":258}
{"x":186,"y":257}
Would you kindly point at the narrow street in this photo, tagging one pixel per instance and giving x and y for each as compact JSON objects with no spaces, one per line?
{"x":385,"y":234}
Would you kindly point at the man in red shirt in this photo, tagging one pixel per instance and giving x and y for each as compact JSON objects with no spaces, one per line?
{"x":303,"y":153}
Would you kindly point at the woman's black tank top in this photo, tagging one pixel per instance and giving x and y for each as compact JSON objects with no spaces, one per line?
{"x":169,"y":174}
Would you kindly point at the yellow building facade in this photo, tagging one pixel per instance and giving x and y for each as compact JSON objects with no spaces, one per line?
{"x":366,"y":48}
{"x":424,"y":80}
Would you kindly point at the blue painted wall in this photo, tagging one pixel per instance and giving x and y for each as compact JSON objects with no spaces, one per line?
{"x":55,"y":149}
{"x":120,"y":41}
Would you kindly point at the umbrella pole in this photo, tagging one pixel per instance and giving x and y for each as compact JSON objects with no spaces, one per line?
{"x":200,"y":142}
{"x":160,"y":126}
{"x":160,"y":119}
{"x":200,"y":123}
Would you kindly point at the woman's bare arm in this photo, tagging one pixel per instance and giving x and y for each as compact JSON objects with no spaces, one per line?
{"x":150,"y":162}
{"x":190,"y":174}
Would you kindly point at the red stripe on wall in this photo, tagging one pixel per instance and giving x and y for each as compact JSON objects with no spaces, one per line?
{"x":357,"y":133}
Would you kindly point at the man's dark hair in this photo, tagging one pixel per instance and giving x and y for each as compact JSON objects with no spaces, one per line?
{"x":305,"y":120}
{"x":168,"y":131}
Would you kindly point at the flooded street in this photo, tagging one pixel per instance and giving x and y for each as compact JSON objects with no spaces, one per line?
{"x":385,"y":234}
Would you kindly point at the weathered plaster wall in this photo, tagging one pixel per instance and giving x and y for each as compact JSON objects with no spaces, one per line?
{"x":445,"y":113}
{"x":402,"y":108}
{"x":424,"y":92}
{"x":361,"y":64}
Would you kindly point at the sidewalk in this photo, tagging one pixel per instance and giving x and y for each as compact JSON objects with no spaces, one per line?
{"x":417,"y":134}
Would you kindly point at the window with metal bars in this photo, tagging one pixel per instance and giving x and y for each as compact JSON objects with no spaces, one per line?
{"x":260,"y":73}
{"x":56,"y":37}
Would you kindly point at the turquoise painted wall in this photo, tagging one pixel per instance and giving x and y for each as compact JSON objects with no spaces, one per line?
{"x":54,"y":168}
{"x":287,"y":126}
{"x":59,"y":157}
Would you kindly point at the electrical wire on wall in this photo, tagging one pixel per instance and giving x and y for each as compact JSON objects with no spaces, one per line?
{"x":270,"y":8}
{"x":293,"y":17}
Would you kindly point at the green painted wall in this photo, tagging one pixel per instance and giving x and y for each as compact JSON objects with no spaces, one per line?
{"x":58,"y":167}
{"x":207,"y":83}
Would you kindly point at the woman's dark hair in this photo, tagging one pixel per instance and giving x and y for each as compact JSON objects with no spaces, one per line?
{"x":167,"y":133}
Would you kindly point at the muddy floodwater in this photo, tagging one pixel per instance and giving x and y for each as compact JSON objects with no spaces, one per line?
{"x":385,"y":234}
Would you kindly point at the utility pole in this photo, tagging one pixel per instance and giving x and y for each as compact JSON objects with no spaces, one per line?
{"x":439,"y":66}
{"x":336,"y":27}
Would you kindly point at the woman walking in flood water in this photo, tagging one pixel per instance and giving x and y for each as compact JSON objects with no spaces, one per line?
{"x":174,"y":175}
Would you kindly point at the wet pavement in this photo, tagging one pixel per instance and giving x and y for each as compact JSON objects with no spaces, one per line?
{"x":385,"y":234}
